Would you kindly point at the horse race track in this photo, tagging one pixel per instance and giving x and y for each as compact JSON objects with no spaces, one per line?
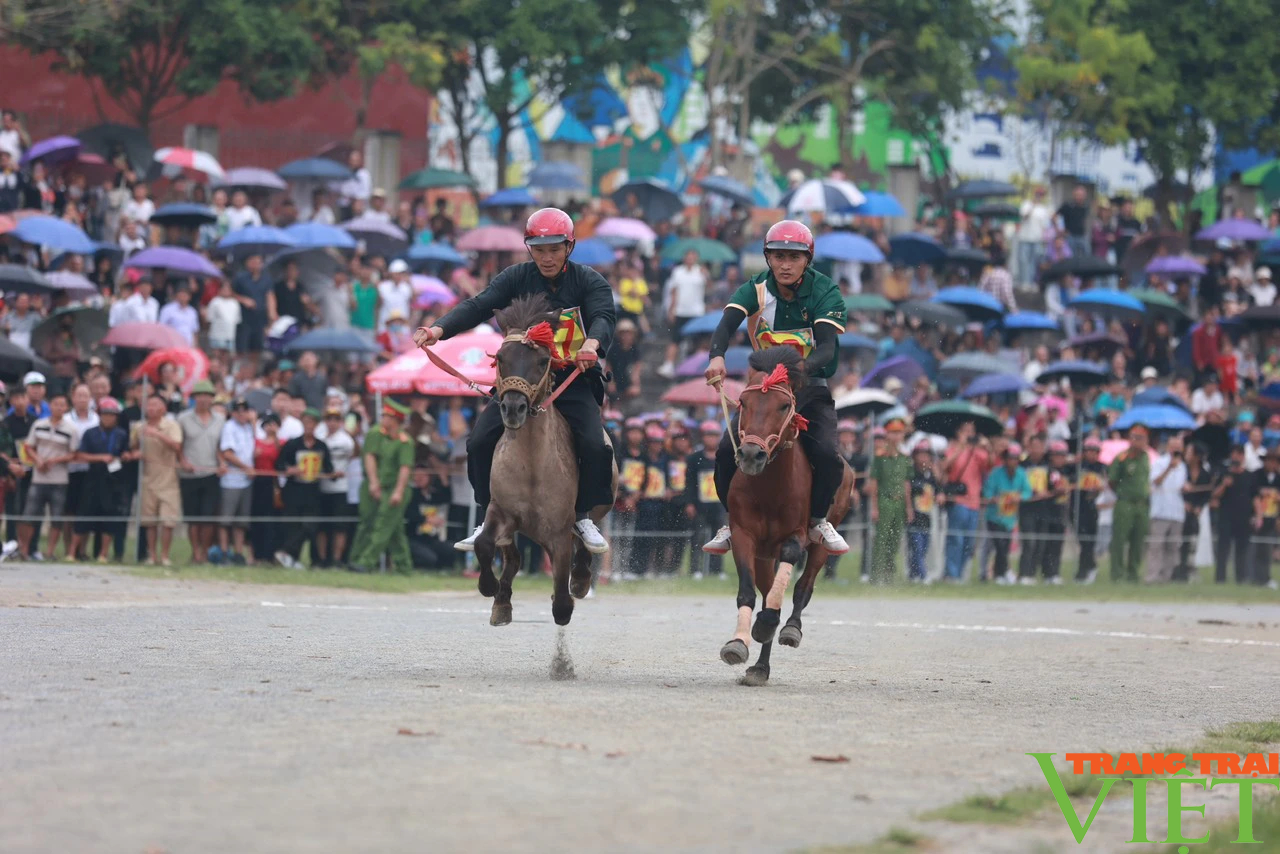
{"x":144,"y":715}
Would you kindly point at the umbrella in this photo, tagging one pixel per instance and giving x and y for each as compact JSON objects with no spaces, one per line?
{"x":89,"y":325}
{"x":735,"y":363}
{"x":190,"y":158}
{"x":512,"y":197}
{"x":1216,"y":440}
{"x":1029,"y":321}
{"x":1176,"y":265}
{"x":556,"y":176}
{"x":252,"y":178}
{"x":709,"y":251}
{"x":1159,"y":396}
{"x":145,"y":336}
{"x":467,"y":353}
{"x":190,"y":364}
{"x":626,"y":229}
{"x":256,"y":240}
{"x":1147,"y":247}
{"x":696,"y":392}
{"x":657,"y":200}
{"x":976,"y":304}
{"x":915,"y":248}
{"x":184,"y":215}
{"x":65,"y":280}
{"x":933,"y":312}
{"x":735,"y":191}
{"x":441,"y":252}
{"x":1113,"y":448}
{"x":1076,"y":371}
{"x":436,"y":179}
{"x":965,"y":257}
{"x":1081,"y":266}
{"x":109,"y":139}
{"x":846,"y":246}
{"x":1235,"y":229}
{"x":314,"y":169}
{"x":16,"y":361}
{"x":1160,"y":304}
{"x":1108,"y":304}
{"x":95,"y":170}
{"x":966,"y":366}
{"x":55,"y":149}
{"x":879,"y":204}
{"x":1102,"y":342}
{"x":429,"y":291}
{"x":1156,"y":417}
{"x":314,"y":234}
{"x":316,"y":266}
{"x":854,"y":341}
{"x":174,"y":259}
{"x":865,"y":401}
{"x":906,"y":369}
{"x":1260,"y":316}
{"x":380,"y":237}
{"x":20,"y":279}
{"x":594,"y":252}
{"x":822,"y":196}
{"x":7,"y":224}
{"x":995,"y":384}
{"x":492,"y":238}
{"x":867,"y":302}
{"x":945,"y":417}
{"x":345,"y":340}
{"x":54,"y":233}
{"x":997,"y":210}
{"x":706,"y":324}
{"x":982,"y":190}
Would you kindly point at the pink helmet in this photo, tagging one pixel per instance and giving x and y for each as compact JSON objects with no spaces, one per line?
{"x":847,"y":426}
{"x":710,"y":427}
{"x":549,"y":225}
{"x":1057,"y":446}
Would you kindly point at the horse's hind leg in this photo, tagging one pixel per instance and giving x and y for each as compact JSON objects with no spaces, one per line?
{"x":773,"y":584}
{"x":500,"y":615}
{"x":737,"y":651}
{"x":757,"y":675}
{"x":815,"y":559}
{"x":580,"y":571}
{"x":560,"y":550}
{"x":486,"y":548}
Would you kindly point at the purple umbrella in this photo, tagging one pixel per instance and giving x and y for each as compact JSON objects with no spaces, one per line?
{"x":1235,"y":229}
{"x":735,"y":363}
{"x":1176,"y":265}
{"x":905,"y":368}
{"x":252,"y":177}
{"x":65,"y":280}
{"x":55,"y":149}
{"x":380,"y":236}
{"x":174,"y":258}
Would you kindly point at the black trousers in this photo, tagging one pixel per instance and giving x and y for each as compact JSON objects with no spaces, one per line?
{"x":1260,"y":571}
{"x":1190,"y":532}
{"x":579,"y":406}
{"x":1001,"y":539}
{"x":1087,"y":537}
{"x":1034,"y":525}
{"x":819,"y":442}
{"x":1227,"y":540}
{"x":1056,"y":530}
{"x":709,"y":519}
{"x":300,"y":500}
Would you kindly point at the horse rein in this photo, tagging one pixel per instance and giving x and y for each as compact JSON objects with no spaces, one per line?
{"x":771,"y":442}
{"x":530,"y":390}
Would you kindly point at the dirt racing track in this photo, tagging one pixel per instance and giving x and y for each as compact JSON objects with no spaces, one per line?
{"x":142,"y":715}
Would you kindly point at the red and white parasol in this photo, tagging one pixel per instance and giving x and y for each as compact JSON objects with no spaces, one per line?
{"x":190,"y":158}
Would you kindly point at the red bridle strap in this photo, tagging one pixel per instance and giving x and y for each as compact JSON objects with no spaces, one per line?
{"x":769,"y":384}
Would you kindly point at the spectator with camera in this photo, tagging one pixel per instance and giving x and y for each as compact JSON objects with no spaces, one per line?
{"x":965,"y":469}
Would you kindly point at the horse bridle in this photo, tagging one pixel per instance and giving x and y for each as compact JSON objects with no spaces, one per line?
{"x":533,"y":391}
{"x":773,"y":440}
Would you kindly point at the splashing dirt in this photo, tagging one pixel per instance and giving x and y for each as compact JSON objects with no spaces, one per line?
{"x":561,"y":662}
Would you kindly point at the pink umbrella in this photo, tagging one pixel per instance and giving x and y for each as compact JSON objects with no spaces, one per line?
{"x":1048,"y":401}
{"x":396,"y":376}
{"x":95,"y":169}
{"x":698,"y":393}
{"x":470,"y":354}
{"x":491,"y":238}
{"x":190,"y":158}
{"x":145,"y":336}
{"x":190,"y":364}
{"x":630,"y":229}
{"x":432,"y":293}
{"x":1113,"y":448}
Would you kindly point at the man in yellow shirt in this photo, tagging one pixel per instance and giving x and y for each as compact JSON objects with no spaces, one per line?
{"x":633,"y":295}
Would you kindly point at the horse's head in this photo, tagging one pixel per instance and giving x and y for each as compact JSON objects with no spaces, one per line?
{"x":524,"y":359}
{"x":767,"y":408}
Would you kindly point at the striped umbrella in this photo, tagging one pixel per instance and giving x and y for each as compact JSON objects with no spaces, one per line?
{"x":190,"y":158}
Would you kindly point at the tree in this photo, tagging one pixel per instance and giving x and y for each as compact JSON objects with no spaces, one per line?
{"x":157,"y":55}
{"x":45,"y":24}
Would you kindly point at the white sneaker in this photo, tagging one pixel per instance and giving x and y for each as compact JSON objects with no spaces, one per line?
{"x":824,"y":532}
{"x":865,"y":578}
{"x":469,"y":544}
{"x":1027,"y":582}
{"x":285,"y":560}
{"x":697,"y":576}
{"x":719,"y":544}
{"x":667,"y":371}
{"x":1271,"y":585}
{"x":8,"y":551}
{"x":1056,"y":581}
{"x":1090,"y":578}
{"x":590,"y":536}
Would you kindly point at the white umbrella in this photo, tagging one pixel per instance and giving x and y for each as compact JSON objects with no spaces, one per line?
{"x":190,"y":158}
{"x":823,"y":196}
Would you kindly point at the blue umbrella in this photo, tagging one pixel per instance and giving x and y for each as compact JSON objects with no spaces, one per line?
{"x":256,"y":240}
{"x":1235,"y":229}
{"x":556,"y":176}
{"x":973,"y":302}
{"x":345,"y":340}
{"x":54,"y":233}
{"x":1029,"y":320}
{"x":906,"y":369}
{"x":511,"y":197}
{"x":316,"y":234}
{"x":1108,"y":304}
{"x":735,"y":363}
{"x":704,"y":325}
{"x":846,"y":246}
{"x":314,"y":168}
{"x":316,"y":266}
{"x":594,"y":253}
{"x":914,"y":248}
{"x":879,"y":204}
{"x":1156,"y":417}
{"x":1158,"y":396}
{"x":965,"y":366}
{"x":1077,"y":371}
{"x":995,"y":384}
{"x":441,"y":252}
{"x":734,"y":190}
{"x":982,"y":190}
{"x":655,"y":197}
{"x":854,"y":341}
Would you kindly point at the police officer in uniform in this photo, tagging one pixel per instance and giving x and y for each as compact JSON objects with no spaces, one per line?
{"x":388,"y":461}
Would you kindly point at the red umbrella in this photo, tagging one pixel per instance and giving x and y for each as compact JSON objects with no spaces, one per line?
{"x":95,"y":169}
{"x":7,"y":224}
{"x":696,"y":392}
{"x":491,"y":238}
{"x":470,"y":354}
{"x":145,"y":336}
{"x":191,"y":366}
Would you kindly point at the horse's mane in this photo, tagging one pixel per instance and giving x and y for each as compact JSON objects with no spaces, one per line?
{"x":788,"y":357}
{"x":524,"y":312}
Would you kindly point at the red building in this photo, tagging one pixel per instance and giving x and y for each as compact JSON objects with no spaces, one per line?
{"x":235,"y":130}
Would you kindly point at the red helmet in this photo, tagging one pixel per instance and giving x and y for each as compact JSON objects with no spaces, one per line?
{"x":789,"y":234}
{"x":549,"y":225}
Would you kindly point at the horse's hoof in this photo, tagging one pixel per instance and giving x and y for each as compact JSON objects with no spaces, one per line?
{"x":765,"y":625}
{"x":580,"y":587}
{"x":487,"y":584}
{"x":501,"y":615}
{"x":562,"y":614}
{"x":734,"y":652}
{"x":755,"y":677}
{"x":790,"y":636}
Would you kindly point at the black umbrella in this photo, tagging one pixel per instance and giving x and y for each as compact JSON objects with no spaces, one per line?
{"x":945,"y":417}
{"x":1216,"y":440}
{"x":933,"y":312}
{"x":316,"y":266}
{"x":1145,"y":247}
{"x":1082,"y":266}
{"x":109,"y":139}
{"x":997,"y":210}
{"x":1260,"y":316}
{"x":259,"y":400}
{"x":184,"y":215}
{"x":1079,"y":373}
{"x":658,"y":201}
{"x":18,"y":279}
{"x":89,"y":326}
{"x":982,"y":190}
{"x":16,"y":361}
{"x":971,"y":258}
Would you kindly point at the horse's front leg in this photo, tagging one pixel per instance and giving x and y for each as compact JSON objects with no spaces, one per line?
{"x":500,"y":614}
{"x":560,"y":551}
{"x":791,"y":633}
{"x":773,"y":584}
{"x":737,"y":650}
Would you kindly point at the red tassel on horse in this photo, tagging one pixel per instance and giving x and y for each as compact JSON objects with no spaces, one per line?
{"x":779,"y":376}
{"x":801,"y":422}
{"x":542,"y":334}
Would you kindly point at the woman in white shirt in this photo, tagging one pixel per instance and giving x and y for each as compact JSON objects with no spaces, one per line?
{"x":685,"y":299}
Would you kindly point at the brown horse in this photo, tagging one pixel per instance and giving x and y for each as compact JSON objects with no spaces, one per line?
{"x":769,"y":509}
{"x":535,"y":471}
